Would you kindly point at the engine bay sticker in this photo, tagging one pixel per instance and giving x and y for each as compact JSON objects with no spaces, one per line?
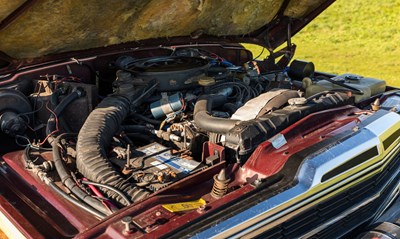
{"x":165,"y":159}
{"x":159,"y":165}
{"x":363,"y":117}
{"x":183,"y":165}
{"x":278,"y":141}
{"x":184,"y":206}
{"x":392,"y":101}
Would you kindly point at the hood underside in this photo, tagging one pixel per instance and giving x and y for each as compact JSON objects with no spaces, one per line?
{"x":30,"y":29}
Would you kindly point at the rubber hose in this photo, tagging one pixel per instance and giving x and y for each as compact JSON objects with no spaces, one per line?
{"x":54,"y":103}
{"x":68,"y":181}
{"x":205,"y":121}
{"x":54,"y":97}
{"x":93,"y":140}
{"x":230,"y":107}
{"x":140,"y":137}
{"x":146,"y":119}
{"x":108,"y":187}
{"x":135,"y":128}
{"x":51,"y":123}
{"x":76,"y":202}
{"x":61,"y":192}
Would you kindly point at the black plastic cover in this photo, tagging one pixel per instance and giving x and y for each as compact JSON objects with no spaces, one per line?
{"x":247,"y":135}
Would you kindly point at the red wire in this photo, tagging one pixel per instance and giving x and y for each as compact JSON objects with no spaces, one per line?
{"x":56,"y":119}
{"x":215,"y":56}
{"x":183,"y":104}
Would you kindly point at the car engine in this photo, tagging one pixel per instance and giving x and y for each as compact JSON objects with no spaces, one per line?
{"x":117,"y":129}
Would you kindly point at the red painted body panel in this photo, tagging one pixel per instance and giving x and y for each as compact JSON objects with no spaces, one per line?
{"x":267,"y":161}
{"x":42,"y":200}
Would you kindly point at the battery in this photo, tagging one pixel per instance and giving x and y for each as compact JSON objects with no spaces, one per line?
{"x":161,"y":168}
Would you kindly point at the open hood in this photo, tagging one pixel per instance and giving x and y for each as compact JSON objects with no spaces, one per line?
{"x":35,"y":28}
{"x":149,"y":119}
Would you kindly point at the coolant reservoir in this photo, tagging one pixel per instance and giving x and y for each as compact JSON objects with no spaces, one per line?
{"x":369,"y":86}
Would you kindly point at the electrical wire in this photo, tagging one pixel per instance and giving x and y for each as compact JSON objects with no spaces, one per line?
{"x":244,"y":91}
{"x":26,"y":118}
{"x":18,"y":137}
{"x":49,"y":182}
{"x":120,"y":193}
{"x":76,"y":202}
{"x":56,"y":119}
{"x":173,"y":115}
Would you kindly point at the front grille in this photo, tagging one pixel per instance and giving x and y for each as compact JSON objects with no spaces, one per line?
{"x":323,"y":212}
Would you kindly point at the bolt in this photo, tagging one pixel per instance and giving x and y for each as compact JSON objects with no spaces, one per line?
{"x":158,"y":214}
{"x":376,"y":105}
{"x":147,"y":229}
{"x":127,"y":221}
{"x":201,"y":209}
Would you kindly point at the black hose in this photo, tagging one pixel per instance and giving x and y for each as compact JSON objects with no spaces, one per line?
{"x":135,"y":128}
{"x":146,"y":119}
{"x":84,"y":206}
{"x":93,"y":140}
{"x":204,"y":105}
{"x":51,"y":123}
{"x":54,"y":102}
{"x":140,"y":137}
{"x":26,"y":156}
{"x":108,"y":187}
{"x":68,"y":181}
{"x":76,"y":202}
{"x":54,"y":97}
{"x":202,"y":115}
{"x":230,"y":107}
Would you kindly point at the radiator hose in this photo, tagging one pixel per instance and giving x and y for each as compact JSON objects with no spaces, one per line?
{"x":205,"y":104}
{"x":203,"y":118}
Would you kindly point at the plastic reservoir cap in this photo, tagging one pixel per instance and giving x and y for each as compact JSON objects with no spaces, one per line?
{"x":206,"y":81}
{"x":306,"y":82}
{"x":299,"y":69}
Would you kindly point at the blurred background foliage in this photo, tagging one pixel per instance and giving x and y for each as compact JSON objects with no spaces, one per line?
{"x":354,"y":36}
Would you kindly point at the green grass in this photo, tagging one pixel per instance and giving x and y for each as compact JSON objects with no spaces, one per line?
{"x":354,"y":36}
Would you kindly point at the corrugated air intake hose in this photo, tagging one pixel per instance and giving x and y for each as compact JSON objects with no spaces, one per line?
{"x":93,"y":141}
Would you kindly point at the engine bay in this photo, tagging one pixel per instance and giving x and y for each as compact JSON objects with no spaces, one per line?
{"x":171,"y":125}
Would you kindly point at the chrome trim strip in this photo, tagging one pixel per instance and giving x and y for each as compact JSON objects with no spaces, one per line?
{"x":341,"y":216}
{"x":352,"y":180}
{"x":362,"y":177}
{"x":394,"y":193}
